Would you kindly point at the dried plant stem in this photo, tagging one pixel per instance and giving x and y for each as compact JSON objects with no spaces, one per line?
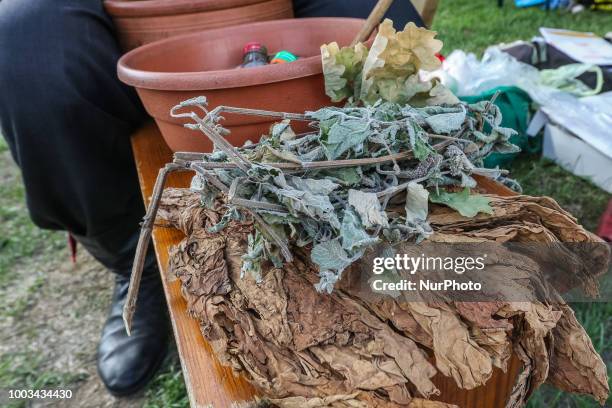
{"x":376,"y":15}
{"x":487,"y":108}
{"x":143,"y":242}
{"x":213,"y":114}
{"x":184,"y":157}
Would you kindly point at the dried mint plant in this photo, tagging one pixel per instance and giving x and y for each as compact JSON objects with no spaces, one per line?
{"x":399,"y":142}
{"x":337,"y":188}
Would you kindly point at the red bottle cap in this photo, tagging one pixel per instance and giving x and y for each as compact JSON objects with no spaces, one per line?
{"x":252,"y":46}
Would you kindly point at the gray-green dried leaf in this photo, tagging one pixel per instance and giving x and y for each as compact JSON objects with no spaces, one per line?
{"x":345,"y":135}
{"x":352,"y":233}
{"x":368,"y":208}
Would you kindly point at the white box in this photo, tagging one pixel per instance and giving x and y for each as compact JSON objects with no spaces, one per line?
{"x":577,"y":156}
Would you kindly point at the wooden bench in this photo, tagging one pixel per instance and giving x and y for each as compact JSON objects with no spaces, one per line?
{"x":209,"y":384}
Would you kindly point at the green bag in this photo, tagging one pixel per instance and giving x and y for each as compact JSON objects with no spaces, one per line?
{"x":514,"y":104}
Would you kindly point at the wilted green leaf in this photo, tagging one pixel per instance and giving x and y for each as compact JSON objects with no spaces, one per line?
{"x":465,"y":203}
{"x":416,"y":203}
{"x":208,"y":194}
{"x":347,"y":176}
{"x":232,"y":213}
{"x":304,"y":203}
{"x":314,"y":186}
{"x":421,"y":149}
{"x":251,"y":261}
{"x":446,"y":123}
{"x":282,"y":131}
{"x":506,"y":148}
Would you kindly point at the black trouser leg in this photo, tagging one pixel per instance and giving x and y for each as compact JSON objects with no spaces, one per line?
{"x":401,"y":12}
{"x":68,"y":119}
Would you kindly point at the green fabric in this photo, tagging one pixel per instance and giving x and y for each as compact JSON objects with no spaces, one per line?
{"x":514,"y":104}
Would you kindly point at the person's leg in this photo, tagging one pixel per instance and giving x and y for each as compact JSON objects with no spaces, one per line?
{"x":67,"y":120}
{"x":401,"y":12}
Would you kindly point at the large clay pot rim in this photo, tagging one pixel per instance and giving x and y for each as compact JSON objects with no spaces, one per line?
{"x":221,"y":79}
{"x":150,"y":8}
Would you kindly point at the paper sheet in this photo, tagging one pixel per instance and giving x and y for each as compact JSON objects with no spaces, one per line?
{"x":582,"y":46}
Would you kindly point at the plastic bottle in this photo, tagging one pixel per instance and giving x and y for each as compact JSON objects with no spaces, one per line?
{"x":254,"y":55}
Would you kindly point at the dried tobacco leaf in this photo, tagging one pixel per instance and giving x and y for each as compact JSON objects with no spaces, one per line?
{"x":343,"y":350}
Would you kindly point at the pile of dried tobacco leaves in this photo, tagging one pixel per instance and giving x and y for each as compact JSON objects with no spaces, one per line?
{"x":274,"y":228}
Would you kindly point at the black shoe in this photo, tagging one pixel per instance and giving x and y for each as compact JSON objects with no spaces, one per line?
{"x":127,"y":363}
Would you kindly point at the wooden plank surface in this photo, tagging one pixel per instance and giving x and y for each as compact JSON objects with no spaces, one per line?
{"x":210,"y":384}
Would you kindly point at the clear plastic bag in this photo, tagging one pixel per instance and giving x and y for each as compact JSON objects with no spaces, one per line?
{"x":465,"y":75}
{"x":589,"y":118}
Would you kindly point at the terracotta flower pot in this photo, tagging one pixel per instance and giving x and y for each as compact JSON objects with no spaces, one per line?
{"x":145,"y":21}
{"x":173,"y":70}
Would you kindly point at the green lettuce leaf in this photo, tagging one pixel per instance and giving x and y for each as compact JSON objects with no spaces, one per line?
{"x":342,"y":69}
{"x":394,"y":59}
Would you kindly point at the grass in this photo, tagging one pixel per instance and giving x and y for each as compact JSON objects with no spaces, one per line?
{"x":471,"y":25}
{"x":19,"y":237}
{"x":168,"y":389}
{"x":540,"y":176}
{"x":3,"y":145}
{"x":27,"y":371}
{"x":20,"y":305}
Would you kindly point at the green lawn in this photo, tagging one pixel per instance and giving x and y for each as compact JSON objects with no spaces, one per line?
{"x":473,"y":25}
